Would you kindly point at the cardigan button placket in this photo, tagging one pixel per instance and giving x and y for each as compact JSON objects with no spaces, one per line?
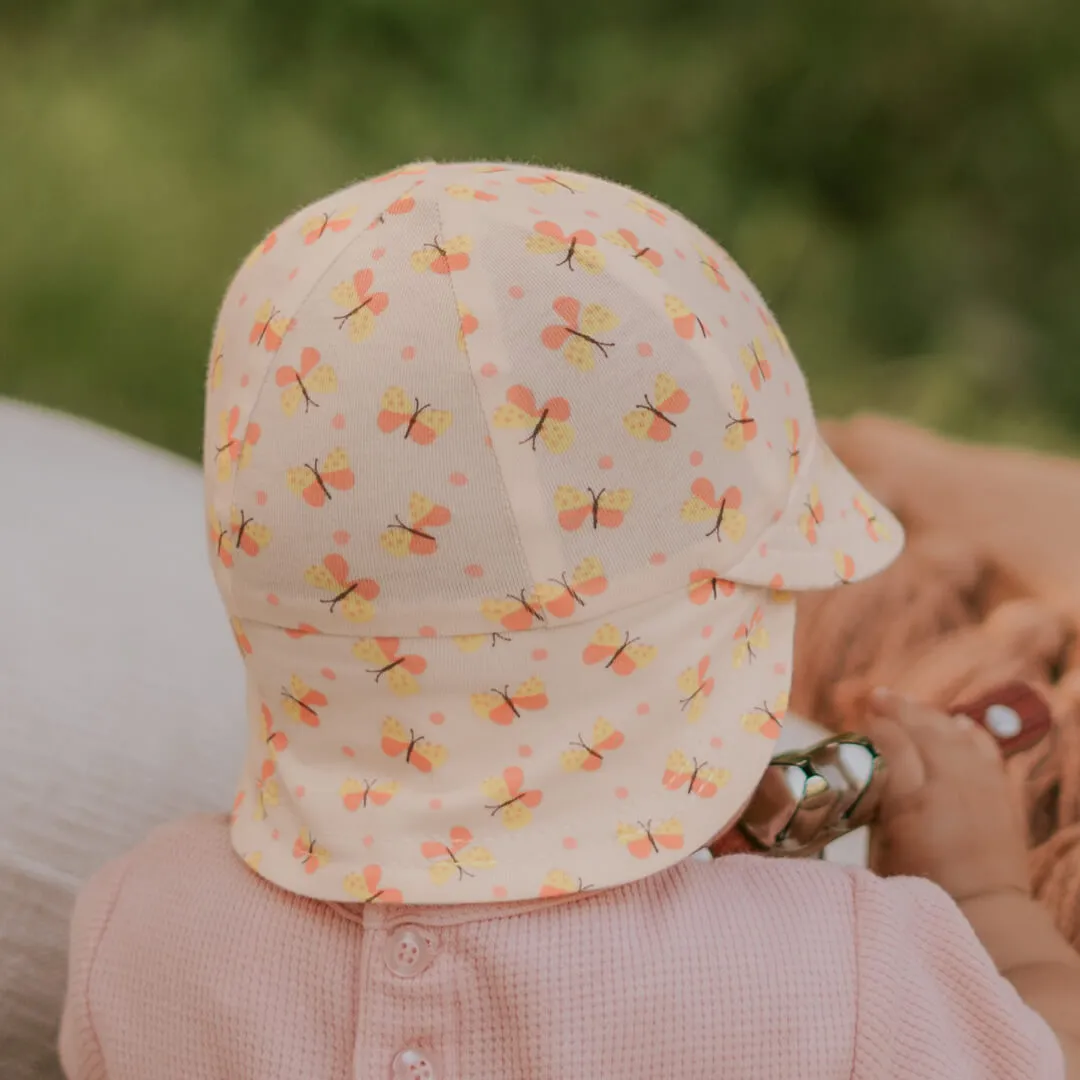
{"x":416,"y":1064}
{"x":409,"y":951}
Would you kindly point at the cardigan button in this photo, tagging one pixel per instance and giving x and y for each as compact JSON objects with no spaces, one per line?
{"x":416,"y":1064}
{"x":409,"y":952}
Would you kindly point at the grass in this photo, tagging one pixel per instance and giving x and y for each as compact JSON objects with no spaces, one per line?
{"x":897,"y":179}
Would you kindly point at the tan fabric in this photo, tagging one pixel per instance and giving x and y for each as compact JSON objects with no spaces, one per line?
{"x":988,"y":590}
{"x":505,"y":469}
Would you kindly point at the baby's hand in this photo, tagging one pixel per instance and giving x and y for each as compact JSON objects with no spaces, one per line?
{"x":945,"y":812}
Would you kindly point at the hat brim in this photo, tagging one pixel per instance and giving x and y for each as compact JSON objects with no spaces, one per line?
{"x":832,"y":532}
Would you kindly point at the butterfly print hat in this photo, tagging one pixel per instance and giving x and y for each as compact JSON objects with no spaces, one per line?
{"x":510,"y":473}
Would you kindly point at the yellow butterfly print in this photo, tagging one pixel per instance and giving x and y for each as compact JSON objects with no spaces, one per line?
{"x":362,"y":306}
{"x":443,"y":256}
{"x":301,"y":703}
{"x":512,"y":801}
{"x":548,"y":422}
{"x":589,"y":756}
{"x":722,"y":510}
{"x":578,"y":336}
{"x":697,"y":685}
{"x":400,"y":670}
{"x":765,"y":720}
{"x":750,"y":639}
{"x":460,"y":856}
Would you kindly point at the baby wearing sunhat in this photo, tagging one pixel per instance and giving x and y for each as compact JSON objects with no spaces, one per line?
{"x":510,"y":476}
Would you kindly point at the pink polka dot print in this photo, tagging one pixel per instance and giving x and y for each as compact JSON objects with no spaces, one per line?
{"x":275,"y":835}
{"x":569,"y":843}
{"x":780,"y":668}
{"x":763,"y":550}
{"x":706,"y":632}
{"x":621,"y":793}
{"x":369,"y":840}
{"x":299,"y":791}
{"x":272,"y":600}
{"x":658,"y":558}
{"x":242,"y":301}
{"x":348,"y":751}
{"x":341,"y":537}
{"x":696,"y":458}
{"x":435,"y":804}
{"x":437,"y":717}
{"x":787,"y":389}
{"x":516,"y":292}
{"x":606,"y":462}
{"x":260,"y":497}
{"x":745,"y":297}
{"x":458,"y":479}
{"x":378,"y":253}
{"x":408,"y":352}
{"x":591,"y":213}
{"x":338,"y":422}
{"x":244,"y":380}
{"x":679,"y":254}
{"x":716,"y":742}
{"x":539,"y":654}
{"x":644,"y":349}
{"x":293,"y":272}
{"x":499,"y":892}
{"x":328,"y":673}
{"x":474,"y":570}
{"x":524,"y":751}
{"x":487,"y":370}
{"x":427,"y":631}
{"x":724,"y":322}
{"x":643,"y":708}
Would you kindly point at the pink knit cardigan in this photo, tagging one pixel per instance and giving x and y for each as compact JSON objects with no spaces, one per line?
{"x":186,"y":966}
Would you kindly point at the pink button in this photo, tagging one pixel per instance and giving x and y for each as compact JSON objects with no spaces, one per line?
{"x":409,"y":951}
{"x":414,"y":1064}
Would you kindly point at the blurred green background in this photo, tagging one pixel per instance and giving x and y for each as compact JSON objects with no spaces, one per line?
{"x":899,"y":177}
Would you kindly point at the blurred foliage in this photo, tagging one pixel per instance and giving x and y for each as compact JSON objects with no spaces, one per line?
{"x":897,"y":177}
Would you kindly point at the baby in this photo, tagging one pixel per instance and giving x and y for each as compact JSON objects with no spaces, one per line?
{"x":510,"y":476}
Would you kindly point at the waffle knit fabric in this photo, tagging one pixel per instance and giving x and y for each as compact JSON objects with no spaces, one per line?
{"x":188,"y":966}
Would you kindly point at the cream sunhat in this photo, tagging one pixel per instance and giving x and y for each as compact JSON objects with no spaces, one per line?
{"x":504,"y":467}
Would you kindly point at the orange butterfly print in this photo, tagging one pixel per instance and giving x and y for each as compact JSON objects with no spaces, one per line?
{"x":741,"y":428}
{"x":419,"y":753}
{"x":652,"y":419}
{"x":705,"y":585}
{"x":549,"y":422}
{"x":620,"y":653}
{"x":560,"y":597}
{"x":261,"y":248}
{"x":361,"y":304}
{"x":640,"y":206}
{"x":501,"y":707}
{"x":355,"y":595}
{"x":845,"y":567}
{"x":578,"y":247}
{"x":685,"y":322}
{"x":311,"y":854}
{"x":643,"y":839}
{"x":301,"y":703}
{"x":468,"y":324}
{"x":459,"y":856}
{"x":461,"y":191}
{"x":275,"y":740}
{"x":723,"y":511}
{"x":219,"y":537}
{"x":560,"y":883}
{"x":794,"y":453}
{"x":579,"y":337}
{"x":365,"y":887}
{"x":514,"y":612}
{"x":296,"y":632}
{"x":314,"y":377}
{"x":750,"y":638}
{"x":333,"y":221}
{"x":756,"y":363}
{"x":549,"y":183}
{"x":270,"y":327}
{"x":767,"y":721}
{"x":512,"y":801}
{"x":711,"y":269}
{"x":422,"y":423}
{"x":699,"y":777}
{"x":697,"y":684}
{"x":812,"y":516}
{"x":313,"y":482}
{"x":413,"y":539}
{"x":646,"y":256}
{"x":399,"y":206}
{"x":602,"y":507}
{"x":356,"y":795}
{"x":589,"y":756}
{"x":232,"y":450}
{"x":400,"y":670}
{"x":266,"y":790}
{"x":875,"y":527}
{"x":243,"y":642}
{"x":444,"y":257}
{"x":248,"y":535}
